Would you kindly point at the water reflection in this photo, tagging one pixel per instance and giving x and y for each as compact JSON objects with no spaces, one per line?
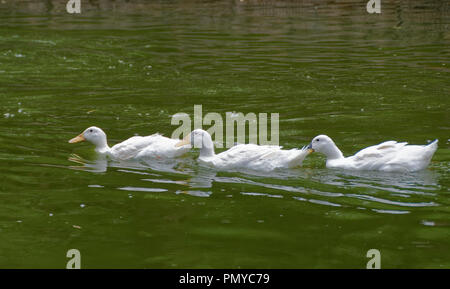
{"x":202,"y":178}
{"x":422,"y":182}
{"x":380,"y":192}
{"x":100,"y":165}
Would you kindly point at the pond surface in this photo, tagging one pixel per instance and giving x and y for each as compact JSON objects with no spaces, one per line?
{"x":127,"y":67}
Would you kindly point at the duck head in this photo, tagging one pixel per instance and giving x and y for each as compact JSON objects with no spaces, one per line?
{"x":93,"y":135}
{"x":201,"y":139}
{"x":324,"y":144}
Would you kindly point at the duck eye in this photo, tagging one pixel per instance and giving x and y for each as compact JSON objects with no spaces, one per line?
{"x":317,"y":139}
{"x":90,"y":130}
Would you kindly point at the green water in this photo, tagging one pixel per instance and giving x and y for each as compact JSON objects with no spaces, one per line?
{"x":127,"y":67}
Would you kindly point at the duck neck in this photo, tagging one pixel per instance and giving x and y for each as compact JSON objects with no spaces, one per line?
{"x":101,"y":146}
{"x":333,"y":153}
{"x":207,"y":149}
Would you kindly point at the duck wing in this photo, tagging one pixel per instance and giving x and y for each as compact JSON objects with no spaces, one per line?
{"x":255,"y":157}
{"x":160,"y":146}
{"x":239,"y":156}
{"x":131,"y":147}
{"x":377,"y":156}
{"x":412,"y":157}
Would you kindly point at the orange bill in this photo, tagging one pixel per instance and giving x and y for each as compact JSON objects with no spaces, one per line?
{"x":76,"y":139}
{"x":185,"y":141}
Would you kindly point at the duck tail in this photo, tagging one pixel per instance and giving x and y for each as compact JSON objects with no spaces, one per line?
{"x":433,"y":144}
{"x":297,"y":160}
{"x":432,"y":147}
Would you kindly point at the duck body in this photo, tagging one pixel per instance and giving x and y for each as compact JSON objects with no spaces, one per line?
{"x":255,"y":157}
{"x":154,"y":145}
{"x":136,"y":147}
{"x":246,"y":156}
{"x":389,"y":156}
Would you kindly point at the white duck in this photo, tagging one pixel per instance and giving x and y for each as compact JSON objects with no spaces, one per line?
{"x":135,"y":147}
{"x":244,"y":156}
{"x":389,"y":156}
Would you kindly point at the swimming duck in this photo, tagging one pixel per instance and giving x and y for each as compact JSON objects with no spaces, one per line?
{"x":244,"y":156}
{"x":389,"y":156}
{"x":136,"y":147}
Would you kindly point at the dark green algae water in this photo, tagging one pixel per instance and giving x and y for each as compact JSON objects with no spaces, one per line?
{"x":129,"y":66}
